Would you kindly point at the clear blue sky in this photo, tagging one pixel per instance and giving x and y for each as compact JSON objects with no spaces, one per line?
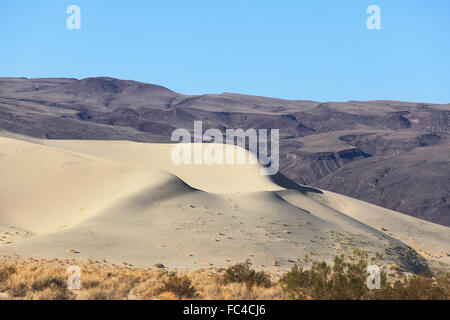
{"x":317,"y":50}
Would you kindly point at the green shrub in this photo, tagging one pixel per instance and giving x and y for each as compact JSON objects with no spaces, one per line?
{"x":415,"y":287}
{"x":347,"y":279}
{"x":181,"y":286}
{"x":242,"y":273}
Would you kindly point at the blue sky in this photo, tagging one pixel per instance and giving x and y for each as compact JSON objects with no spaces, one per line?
{"x":316,"y":50}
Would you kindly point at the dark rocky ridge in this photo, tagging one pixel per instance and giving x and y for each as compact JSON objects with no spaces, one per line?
{"x":393,"y":154}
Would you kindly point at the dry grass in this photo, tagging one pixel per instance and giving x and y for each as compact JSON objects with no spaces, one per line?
{"x":46,"y":279}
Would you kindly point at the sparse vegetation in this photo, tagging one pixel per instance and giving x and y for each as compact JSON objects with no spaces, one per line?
{"x":242,"y":273}
{"x":181,"y":286}
{"x":344,"y":278}
{"x":347,"y":277}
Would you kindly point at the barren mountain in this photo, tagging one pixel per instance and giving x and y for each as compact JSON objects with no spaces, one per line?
{"x":389,"y":153}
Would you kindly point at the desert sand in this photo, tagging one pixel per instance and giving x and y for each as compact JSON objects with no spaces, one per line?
{"x":126,"y":202}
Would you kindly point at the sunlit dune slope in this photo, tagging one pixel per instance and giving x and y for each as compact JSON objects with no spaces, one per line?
{"x":127,"y":202}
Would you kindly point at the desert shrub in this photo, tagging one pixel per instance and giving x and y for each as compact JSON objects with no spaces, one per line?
{"x":306,"y":284}
{"x":346,"y":278}
{"x":181,"y":286}
{"x":415,"y":287}
{"x":296,"y":283}
{"x":242,"y":273}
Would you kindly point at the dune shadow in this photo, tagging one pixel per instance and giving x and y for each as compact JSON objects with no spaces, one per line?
{"x":283,"y":181}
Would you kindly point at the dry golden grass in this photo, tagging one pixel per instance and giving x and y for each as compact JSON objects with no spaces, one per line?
{"x":44,"y":279}
{"x":47,"y":279}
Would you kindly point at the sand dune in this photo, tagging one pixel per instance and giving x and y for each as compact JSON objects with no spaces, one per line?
{"x":430,"y":239}
{"x":126,"y":201}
